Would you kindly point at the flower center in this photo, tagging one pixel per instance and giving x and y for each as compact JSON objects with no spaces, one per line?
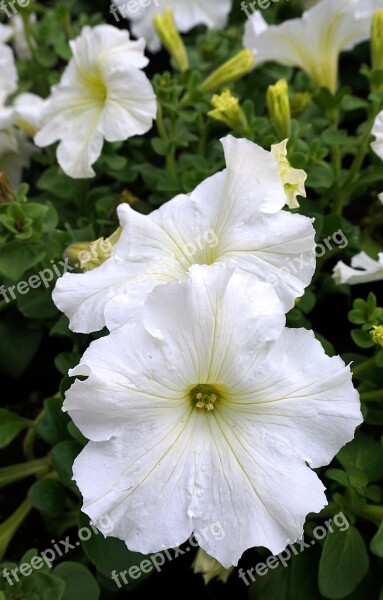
{"x":95,"y":84}
{"x":204,"y":396}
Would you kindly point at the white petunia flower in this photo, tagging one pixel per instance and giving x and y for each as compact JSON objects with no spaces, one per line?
{"x":209,"y":411}
{"x":377,"y":132}
{"x":187,"y":14}
{"x":102,"y":95}
{"x":15,"y":154}
{"x":314,"y":41}
{"x":363,"y":270}
{"x":22,"y":49}
{"x":8,"y":72}
{"x":234,"y":218}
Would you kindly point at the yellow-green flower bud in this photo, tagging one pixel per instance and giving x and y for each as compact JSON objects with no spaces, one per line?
{"x":167,"y":32}
{"x":230,"y":71}
{"x":293,"y":179}
{"x":377,"y":39}
{"x":228,"y":110}
{"x":6,"y":192}
{"x":278,"y":105}
{"x":89,"y":255}
{"x":376,"y":334}
{"x":210,"y":568}
{"x":300,"y":102}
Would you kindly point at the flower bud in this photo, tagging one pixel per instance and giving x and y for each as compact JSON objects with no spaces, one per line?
{"x":167,"y":32}
{"x":6,"y":192}
{"x":210,"y":568}
{"x":230,"y":71}
{"x":278,"y":105}
{"x":377,"y":40}
{"x":89,"y":255}
{"x":376,"y":334}
{"x":228,"y":110}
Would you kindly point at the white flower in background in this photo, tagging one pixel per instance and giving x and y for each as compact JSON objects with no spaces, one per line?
{"x":380,"y":196}
{"x":363,"y":270}
{"x":209,"y":411}
{"x":234,"y":218}
{"x":187,"y":14}
{"x":15,"y":154}
{"x":102,"y":95}
{"x":377,"y":132}
{"x":293,"y":179}
{"x":20,"y":43}
{"x":314,"y":41}
{"x":210,"y":568}
{"x":8,"y":72}
{"x":5,"y":33}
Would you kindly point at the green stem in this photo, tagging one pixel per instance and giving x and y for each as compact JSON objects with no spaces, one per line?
{"x":366,"y":364}
{"x":28,"y":444}
{"x":375,"y":395}
{"x":360,"y":156}
{"x":11,"y":525}
{"x":373,"y":511}
{"x":14,"y":473}
{"x":203,"y":129}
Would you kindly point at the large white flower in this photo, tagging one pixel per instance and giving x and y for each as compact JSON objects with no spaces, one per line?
{"x":209,"y":411}
{"x":233,"y":218}
{"x":187,"y":14}
{"x":314,"y":41}
{"x":102,"y":95}
{"x":363,"y":270}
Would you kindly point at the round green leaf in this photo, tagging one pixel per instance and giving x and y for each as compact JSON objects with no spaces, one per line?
{"x":343,"y":564}
{"x":79,"y":582}
{"x":48,"y":496}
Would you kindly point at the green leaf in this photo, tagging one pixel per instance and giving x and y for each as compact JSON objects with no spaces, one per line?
{"x":48,"y":496}
{"x":363,"y":455}
{"x":343,"y":564}
{"x":362,"y":338}
{"x":109,"y":554}
{"x":52,"y":427}
{"x":10,"y":426}
{"x":18,"y":345}
{"x":79,"y":582}
{"x":63,"y":455}
{"x":41,"y":586}
{"x":17,"y":257}
{"x":376,"y":544}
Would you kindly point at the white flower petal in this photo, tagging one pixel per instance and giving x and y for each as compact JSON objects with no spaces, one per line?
{"x":377,"y":131}
{"x":8,"y":73}
{"x":363,"y":270}
{"x":314,"y":41}
{"x":187,"y":14}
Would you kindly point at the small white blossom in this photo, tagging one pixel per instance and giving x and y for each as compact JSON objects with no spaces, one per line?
{"x":102,"y":95}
